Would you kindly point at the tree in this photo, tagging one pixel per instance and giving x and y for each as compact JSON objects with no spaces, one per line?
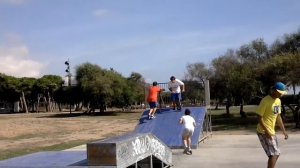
{"x":95,"y":85}
{"x":288,"y":43}
{"x":193,"y":91}
{"x":284,"y":67}
{"x":137,"y":85}
{"x":45,"y":87}
{"x":121,"y":90}
{"x":26,"y":87}
{"x":197,"y":72}
{"x":195,"y":77}
{"x":222,"y":67}
{"x":9,"y":88}
{"x":234,"y":79}
{"x":254,"y":53}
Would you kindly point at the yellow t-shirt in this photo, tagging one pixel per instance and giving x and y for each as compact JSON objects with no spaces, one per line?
{"x":268,"y":109}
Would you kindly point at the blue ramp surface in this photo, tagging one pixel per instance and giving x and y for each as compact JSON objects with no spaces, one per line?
{"x":166,"y":125}
{"x":47,"y":159}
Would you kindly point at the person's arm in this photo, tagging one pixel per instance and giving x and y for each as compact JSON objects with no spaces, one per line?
{"x":182,"y":88}
{"x":262,"y":124}
{"x":181,"y":85}
{"x":181,"y":121}
{"x":281,"y":126}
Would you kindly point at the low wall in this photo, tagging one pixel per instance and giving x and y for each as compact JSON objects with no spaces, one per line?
{"x":126,"y":150}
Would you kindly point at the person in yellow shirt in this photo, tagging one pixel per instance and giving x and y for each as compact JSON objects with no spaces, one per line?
{"x":268,"y":112}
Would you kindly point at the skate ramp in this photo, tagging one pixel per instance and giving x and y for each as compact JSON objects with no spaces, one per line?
{"x":166,"y":125}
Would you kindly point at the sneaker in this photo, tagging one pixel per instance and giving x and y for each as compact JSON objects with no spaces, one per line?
{"x":179,"y":106}
{"x":153,"y":116}
{"x":149,"y":117}
{"x":190,"y":152}
{"x":186,"y":149}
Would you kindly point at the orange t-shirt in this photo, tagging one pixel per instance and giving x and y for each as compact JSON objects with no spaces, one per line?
{"x":152,"y":95}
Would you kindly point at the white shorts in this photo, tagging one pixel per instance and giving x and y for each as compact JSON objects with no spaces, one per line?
{"x":187,"y":132}
{"x":269,"y":145}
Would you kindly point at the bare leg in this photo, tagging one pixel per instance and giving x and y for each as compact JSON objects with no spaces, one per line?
{"x":153,"y":111}
{"x":150,"y":112}
{"x":189,"y":145}
{"x":185,"y":142}
{"x":174,"y":105}
{"x":178,"y":105}
{"x":189,"y":141}
{"x":272,"y":161}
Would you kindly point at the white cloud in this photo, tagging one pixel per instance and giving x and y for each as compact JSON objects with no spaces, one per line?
{"x":100,"y":12}
{"x":12,"y":2}
{"x":15,"y":60}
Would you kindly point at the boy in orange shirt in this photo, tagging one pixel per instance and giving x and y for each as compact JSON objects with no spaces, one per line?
{"x":152,"y":99}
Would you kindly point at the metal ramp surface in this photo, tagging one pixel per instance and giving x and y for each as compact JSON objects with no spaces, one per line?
{"x":47,"y":160}
{"x":166,"y":125}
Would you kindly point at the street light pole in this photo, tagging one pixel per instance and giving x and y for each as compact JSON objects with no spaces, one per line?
{"x":69,"y":75}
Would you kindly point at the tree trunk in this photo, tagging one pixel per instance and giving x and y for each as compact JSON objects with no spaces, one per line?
{"x":46,"y":104}
{"x":296,"y":116}
{"x":59,"y":107}
{"x":21,"y":104}
{"x":38,"y":104}
{"x":294,"y":88}
{"x":49,"y":104}
{"x":242,"y":113}
{"x":217,"y":106}
{"x":24,"y":102}
{"x":228,"y":104}
{"x":227,"y":110}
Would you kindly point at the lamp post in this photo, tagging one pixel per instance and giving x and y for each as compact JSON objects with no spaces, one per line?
{"x":67,"y":63}
{"x":69,"y":75}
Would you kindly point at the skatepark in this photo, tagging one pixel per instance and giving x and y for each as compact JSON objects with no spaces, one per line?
{"x":216,"y":150}
{"x":164,"y":130}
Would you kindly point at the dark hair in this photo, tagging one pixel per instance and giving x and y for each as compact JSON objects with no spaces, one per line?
{"x":172,"y":78}
{"x":187,"y":112}
{"x":154,"y":83}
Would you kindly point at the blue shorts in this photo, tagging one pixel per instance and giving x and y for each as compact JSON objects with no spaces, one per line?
{"x":175,"y":97}
{"x":152,"y":104}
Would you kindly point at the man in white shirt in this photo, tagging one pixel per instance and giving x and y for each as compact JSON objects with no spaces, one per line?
{"x":176,"y":86}
{"x":189,"y":126}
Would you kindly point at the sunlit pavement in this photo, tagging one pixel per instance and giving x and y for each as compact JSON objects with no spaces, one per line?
{"x":238,"y":151}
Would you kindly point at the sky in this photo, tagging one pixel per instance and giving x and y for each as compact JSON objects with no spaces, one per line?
{"x":156,"y":38}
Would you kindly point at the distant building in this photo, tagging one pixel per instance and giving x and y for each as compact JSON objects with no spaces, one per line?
{"x":73,"y":81}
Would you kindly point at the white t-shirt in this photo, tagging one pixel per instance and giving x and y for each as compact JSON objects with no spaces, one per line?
{"x":175,"y":87}
{"x":188,"y":122}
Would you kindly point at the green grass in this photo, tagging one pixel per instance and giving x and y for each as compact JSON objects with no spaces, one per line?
{"x":221,"y":121}
{"x":232,"y":122}
{"x":127,"y":116}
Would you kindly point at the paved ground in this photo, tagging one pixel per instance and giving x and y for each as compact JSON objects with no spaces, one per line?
{"x":238,"y":151}
{"x":226,"y":151}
